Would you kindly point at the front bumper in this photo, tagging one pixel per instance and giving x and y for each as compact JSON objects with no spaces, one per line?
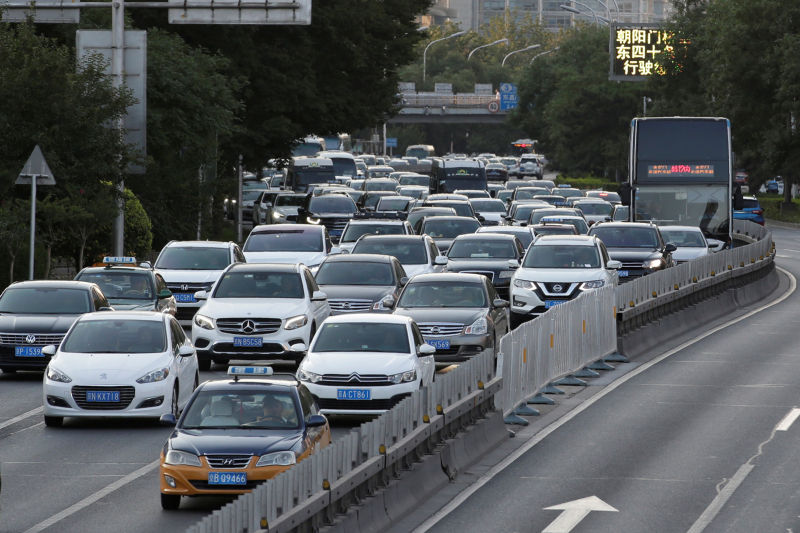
{"x":462,"y":347}
{"x":382,"y":398}
{"x":532,"y":303}
{"x":218,"y":346}
{"x":193,"y":480}
{"x":137,"y":400}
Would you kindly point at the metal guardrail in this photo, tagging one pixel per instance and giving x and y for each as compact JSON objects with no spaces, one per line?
{"x":568,"y":338}
{"x":450,"y":100}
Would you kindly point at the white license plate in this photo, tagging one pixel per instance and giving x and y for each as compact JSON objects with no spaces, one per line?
{"x":227,"y":478}
{"x":248,"y":342}
{"x":353,"y":394}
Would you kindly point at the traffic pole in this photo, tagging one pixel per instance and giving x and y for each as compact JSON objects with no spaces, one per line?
{"x":33,"y":223}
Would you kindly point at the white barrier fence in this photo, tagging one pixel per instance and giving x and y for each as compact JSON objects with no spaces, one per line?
{"x":567,"y":338}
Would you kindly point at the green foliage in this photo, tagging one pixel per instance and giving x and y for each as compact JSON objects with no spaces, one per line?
{"x":587,"y":183}
{"x":776,"y":209}
{"x":138,"y":228}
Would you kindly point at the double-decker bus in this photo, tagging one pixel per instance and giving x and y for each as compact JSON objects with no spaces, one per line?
{"x":681,"y":173}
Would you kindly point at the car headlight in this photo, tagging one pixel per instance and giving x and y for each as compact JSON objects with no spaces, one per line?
{"x":653,"y":263}
{"x":156,"y":375}
{"x":277,"y":459}
{"x":57,"y":375}
{"x":403,"y":377}
{"x":177,"y":457}
{"x":524,"y":284}
{"x":305,"y":375}
{"x":277,"y":216}
{"x":595,"y":284}
{"x":312,"y":220}
{"x":506,"y":274}
{"x":479,"y":327}
{"x":296,"y":322}
{"x":204,"y":321}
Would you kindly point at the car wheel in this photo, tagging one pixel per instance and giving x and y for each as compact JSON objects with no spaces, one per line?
{"x":174,"y":408}
{"x":170,"y":502}
{"x":204,"y":364}
{"x":53,"y":421}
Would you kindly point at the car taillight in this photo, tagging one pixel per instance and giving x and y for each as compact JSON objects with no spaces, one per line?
{"x":758,"y":211}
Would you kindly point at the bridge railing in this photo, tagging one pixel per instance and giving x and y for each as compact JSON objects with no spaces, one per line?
{"x":449,"y":100}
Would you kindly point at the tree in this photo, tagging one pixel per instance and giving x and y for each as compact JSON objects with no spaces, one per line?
{"x":14,"y":230}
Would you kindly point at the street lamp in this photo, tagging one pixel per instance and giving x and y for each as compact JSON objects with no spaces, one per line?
{"x":532,"y":47}
{"x":425,"y":52}
{"x":498,"y":41}
{"x":608,"y":11}
{"x":571,"y":9}
{"x":543,"y":54}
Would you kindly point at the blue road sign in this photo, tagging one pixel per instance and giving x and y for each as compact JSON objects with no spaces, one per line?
{"x":391,"y":142}
{"x":508,"y":96}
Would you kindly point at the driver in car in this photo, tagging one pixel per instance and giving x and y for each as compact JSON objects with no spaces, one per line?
{"x":273,"y":410}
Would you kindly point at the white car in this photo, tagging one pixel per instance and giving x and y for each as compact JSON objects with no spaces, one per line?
{"x":556,"y":269}
{"x":365,"y":363}
{"x":120,"y":364}
{"x":257,"y":312}
{"x":690,"y":242}
{"x":191,"y":266}
{"x":308,"y":244}
{"x":371,"y":226}
{"x":492,"y":210}
{"x":417,"y":253}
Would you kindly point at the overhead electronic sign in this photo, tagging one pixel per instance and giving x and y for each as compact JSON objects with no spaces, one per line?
{"x":638,"y":51}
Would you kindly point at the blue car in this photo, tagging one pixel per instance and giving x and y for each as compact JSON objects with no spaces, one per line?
{"x":751,"y":211}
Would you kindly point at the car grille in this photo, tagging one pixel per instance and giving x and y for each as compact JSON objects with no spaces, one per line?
{"x":188,"y":287}
{"x":559,"y":289}
{"x":204,"y":485}
{"x":330,"y":403}
{"x":350,"y":306}
{"x":39,"y":339}
{"x":229,"y":348}
{"x":125,"y":397}
{"x":256,"y":326}
{"x":636,"y":265}
{"x":185,"y":313}
{"x":335,"y":224}
{"x":355,"y":379}
{"x":440,"y":329}
{"x":489,"y":274}
{"x":228,"y":461}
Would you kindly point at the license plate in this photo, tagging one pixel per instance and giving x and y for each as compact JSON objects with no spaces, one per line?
{"x":335,"y":232}
{"x":185,"y":297}
{"x":439,"y":344}
{"x":227,"y":478}
{"x":248,"y":342}
{"x":352,"y":394}
{"x":552,"y":303}
{"x":622,"y":273}
{"x":28,"y":351}
{"x":102,"y":396}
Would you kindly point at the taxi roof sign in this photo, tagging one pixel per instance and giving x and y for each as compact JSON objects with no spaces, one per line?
{"x":108,"y":260}
{"x":250,"y":371}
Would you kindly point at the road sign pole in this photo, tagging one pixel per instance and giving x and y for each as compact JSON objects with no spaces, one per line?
{"x":33,"y":224}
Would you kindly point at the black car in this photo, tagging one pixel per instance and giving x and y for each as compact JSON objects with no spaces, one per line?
{"x":34,"y":314}
{"x":333,"y":211}
{"x":462,"y":207}
{"x":639,"y":246}
{"x":358,"y":283}
{"x":129,"y":287}
{"x":444,"y":229}
{"x":495,"y":256}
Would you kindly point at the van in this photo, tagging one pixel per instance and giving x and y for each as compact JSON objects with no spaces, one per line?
{"x":304,"y":171}
{"x":447,"y":175}
{"x":420,"y":151}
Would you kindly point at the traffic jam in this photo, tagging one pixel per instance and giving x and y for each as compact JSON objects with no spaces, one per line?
{"x":362,"y":279}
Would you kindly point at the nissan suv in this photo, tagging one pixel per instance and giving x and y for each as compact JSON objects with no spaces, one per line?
{"x":639,"y":246}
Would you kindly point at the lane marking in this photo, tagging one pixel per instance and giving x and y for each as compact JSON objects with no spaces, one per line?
{"x":86,"y":502}
{"x":462,"y":496}
{"x":788,"y":420}
{"x":23,"y":416}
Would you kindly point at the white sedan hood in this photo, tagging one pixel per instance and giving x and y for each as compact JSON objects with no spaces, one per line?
{"x":360,"y":362}
{"x":190,"y":276}
{"x":307,"y":258}
{"x":255,"y":307}
{"x":561,"y":274}
{"x":108,"y":369}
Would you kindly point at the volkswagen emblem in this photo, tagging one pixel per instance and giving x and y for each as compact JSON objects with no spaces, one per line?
{"x":248,"y":326}
{"x":184,"y":287}
{"x":227,"y":462}
{"x":557,"y":288}
{"x":30,"y":339}
{"x":435,"y":330}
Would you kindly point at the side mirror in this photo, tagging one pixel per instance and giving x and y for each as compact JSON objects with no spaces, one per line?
{"x":298,"y":348}
{"x":185,"y":351}
{"x":165,"y":293}
{"x":715,"y":245}
{"x":480,"y":218}
{"x":167,"y":419}
{"x":427,"y":349}
{"x":499,"y":302}
{"x":440,"y":260}
{"x":319,"y":296}
{"x":669,"y":248}
{"x":315,"y":421}
{"x":513,"y":264}
{"x":50,"y":350}
{"x":388,"y":302}
{"x":614,"y":264}
{"x":146,"y":264}
{"x":403,"y":281}
{"x":106,"y":308}
{"x":335,"y":251}
{"x":201,"y":295}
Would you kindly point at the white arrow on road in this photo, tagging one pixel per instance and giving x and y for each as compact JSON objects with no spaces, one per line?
{"x":573,"y":512}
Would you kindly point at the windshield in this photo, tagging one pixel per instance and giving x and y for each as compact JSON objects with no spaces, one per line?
{"x":595,"y":209}
{"x":419,"y":213}
{"x":684,"y":238}
{"x":121,"y":285}
{"x":415,"y":180}
{"x":482,"y":249}
{"x":354,"y":231}
{"x":407,"y":252}
{"x":243,"y":409}
{"x":527,"y":194}
{"x":421,"y":153}
{"x":380,"y":185}
{"x":307,"y":149}
{"x":443,"y":228}
{"x":393,"y":204}
{"x":45,"y":301}
{"x":355,"y":273}
{"x":443,"y":294}
{"x":251,"y":195}
{"x":569,"y":193}
{"x":193,"y":258}
{"x":557,"y":229}
{"x":560,"y":256}
{"x":116,"y":336}
{"x":335,"y":203}
{"x":579,"y":223}
{"x":457,"y":181}
{"x":362,"y":337}
{"x":704,"y":206}
{"x":289,"y":199}
{"x":488,"y":206}
{"x":343,"y":166}
{"x":259,"y":285}
{"x":308,"y":175}
{"x":284,"y":241}
{"x":462,"y":209}
{"x":617,"y":237}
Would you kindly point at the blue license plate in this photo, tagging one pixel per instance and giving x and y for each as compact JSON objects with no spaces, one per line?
{"x":185,"y":297}
{"x":28,"y":351}
{"x":335,"y":232}
{"x":227,"y":478}
{"x":439,"y":344}
{"x":248,"y":342}
{"x":552,"y":303}
{"x":102,"y":396}
{"x":353,"y":394}
{"x":622,"y":273}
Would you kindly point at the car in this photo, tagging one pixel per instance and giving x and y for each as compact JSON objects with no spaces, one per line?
{"x":496,"y":172}
{"x":491,"y":210}
{"x":420,"y":180}
{"x":263,"y":205}
{"x":495,"y":256}
{"x":639,"y":246}
{"x":621,"y":213}
{"x":578,"y":221}
{"x":448,"y":196}
{"x":129,"y":286}
{"x":462,"y":207}
{"x":611,"y":197}
{"x":537,"y":215}
{"x":520,"y":211}
{"x":527,"y":193}
{"x":470,"y":194}
{"x":284,"y":209}
{"x":553,"y":228}
{"x":505,"y":195}
{"x":568,"y":192}
{"x":751,"y":210}
{"x":308,"y":244}
{"x":365,"y":363}
{"x":257,"y":312}
{"x":395,"y":204}
{"x":524,"y":234}
{"x":494,"y":188}
{"x":191,"y":266}
{"x":417,"y":253}
{"x":360,"y":282}
{"x":132,"y":364}
{"x":690,"y":242}
{"x":460,"y":315}
{"x":378,"y":171}
{"x":594,"y":210}
{"x":553,"y":199}
{"x":238,"y":432}
{"x":330,"y":210}
{"x":38,"y":313}
{"x":418,"y":213}
{"x":249,"y":197}
{"x":372,"y":226}
{"x":556,"y":269}
{"x":418,"y":192}
{"x":380,"y":184}
{"x":370,"y":199}
{"x":444,"y":229}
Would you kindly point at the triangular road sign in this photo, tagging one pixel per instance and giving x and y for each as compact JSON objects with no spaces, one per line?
{"x":36,"y":166}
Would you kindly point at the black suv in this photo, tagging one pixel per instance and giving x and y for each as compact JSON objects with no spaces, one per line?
{"x":333,"y":211}
{"x":638,"y":245}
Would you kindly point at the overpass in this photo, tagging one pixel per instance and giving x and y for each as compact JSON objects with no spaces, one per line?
{"x":448,"y":108}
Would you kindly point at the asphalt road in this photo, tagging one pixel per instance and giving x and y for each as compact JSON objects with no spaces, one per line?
{"x":702,"y":440}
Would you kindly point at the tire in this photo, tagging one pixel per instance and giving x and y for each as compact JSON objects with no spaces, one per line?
{"x":174,"y":407}
{"x":170,"y":502}
{"x":204,"y":364}
{"x":53,"y":421}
